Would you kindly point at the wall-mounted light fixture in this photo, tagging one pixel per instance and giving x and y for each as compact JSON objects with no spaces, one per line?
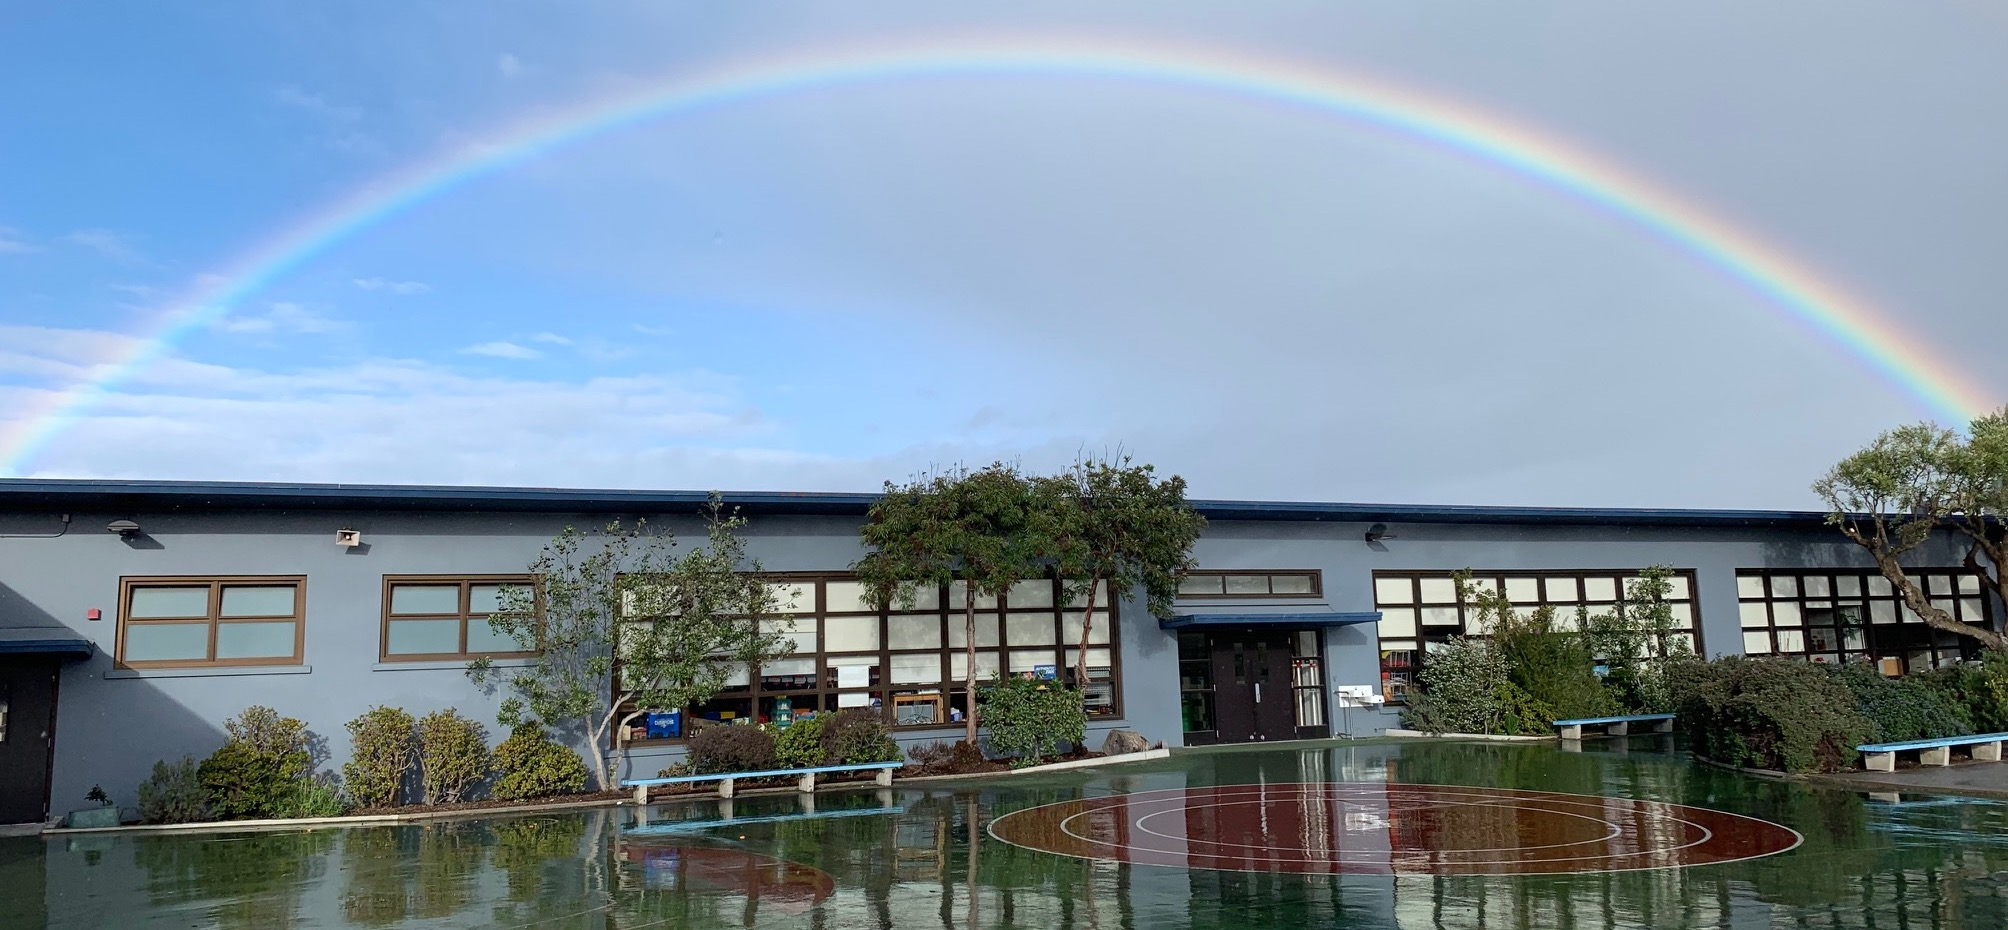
{"x":125,"y":528}
{"x":1378,"y":532}
{"x":348,"y":538}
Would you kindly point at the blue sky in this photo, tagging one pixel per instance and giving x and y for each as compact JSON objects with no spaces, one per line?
{"x":827,"y":289}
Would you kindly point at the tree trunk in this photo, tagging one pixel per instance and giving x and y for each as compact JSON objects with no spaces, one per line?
{"x":1087,"y":626}
{"x":969,"y":645}
{"x":1933,"y":617}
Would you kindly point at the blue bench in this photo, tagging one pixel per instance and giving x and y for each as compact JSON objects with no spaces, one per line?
{"x":805,"y":779}
{"x":1615,"y":726}
{"x":1881,"y":757}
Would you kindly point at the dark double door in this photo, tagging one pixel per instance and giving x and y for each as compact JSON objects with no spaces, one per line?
{"x":1252,"y":694}
{"x":27,"y":727}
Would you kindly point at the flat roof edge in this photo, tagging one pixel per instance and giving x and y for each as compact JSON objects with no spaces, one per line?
{"x":23,"y":494}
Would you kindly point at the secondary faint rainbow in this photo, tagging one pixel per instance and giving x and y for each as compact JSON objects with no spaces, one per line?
{"x":1492,"y":138}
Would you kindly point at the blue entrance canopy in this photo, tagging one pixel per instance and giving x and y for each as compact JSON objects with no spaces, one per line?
{"x":44,"y":640}
{"x":1295,"y":616}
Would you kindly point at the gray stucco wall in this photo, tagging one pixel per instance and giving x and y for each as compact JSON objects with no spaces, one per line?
{"x":113,"y":725}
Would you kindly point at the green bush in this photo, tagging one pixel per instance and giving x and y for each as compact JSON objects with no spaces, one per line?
{"x":1029,"y":718}
{"x":731,"y":748}
{"x":799,"y":745}
{"x":453,"y":755}
{"x":259,"y":772}
{"x":1523,"y":714}
{"x":174,"y":794}
{"x":1771,"y":713}
{"x":316,"y":797}
{"x":1978,"y":694}
{"x":1459,"y":690}
{"x":1554,"y":667}
{"x":858,"y":737}
{"x":1901,"y":708}
{"x":380,"y":758}
{"x":530,"y":765}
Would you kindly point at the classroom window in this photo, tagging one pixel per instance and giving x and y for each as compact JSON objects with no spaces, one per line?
{"x":1856,"y":615}
{"x":431,"y":617}
{"x":196,"y":622}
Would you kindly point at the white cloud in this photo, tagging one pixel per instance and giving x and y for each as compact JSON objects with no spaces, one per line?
{"x":551,"y":338}
{"x":381,"y":420}
{"x":280,"y":318}
{"x":300,"y":99}
{"x":648,"y":330}
{"x":395,"y":287}
{"x":113,"y":245}
{"x":11,"y":242}
{"x":509,"y":65}
{"x":503,"y":350}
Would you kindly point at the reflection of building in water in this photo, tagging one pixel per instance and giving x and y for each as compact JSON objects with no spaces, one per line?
{"x":698,"y":867}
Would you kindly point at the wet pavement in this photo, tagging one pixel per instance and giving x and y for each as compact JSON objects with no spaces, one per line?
{"x":1222,"y":839}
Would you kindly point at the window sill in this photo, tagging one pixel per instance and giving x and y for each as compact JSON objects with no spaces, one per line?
{"x":435,"y":665}
{"x":223,"y":671}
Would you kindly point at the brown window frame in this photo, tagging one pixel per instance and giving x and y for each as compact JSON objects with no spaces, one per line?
{"x":950,"y":618}
{"x":213,"y":619}
{"x":466,"y":583}
{"x":1418,"y":656}
{"x":1316,"y":575}
{"x":1953,"y":600}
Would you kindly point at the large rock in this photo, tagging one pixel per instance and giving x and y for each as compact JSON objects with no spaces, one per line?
{"x":1123,"y":742}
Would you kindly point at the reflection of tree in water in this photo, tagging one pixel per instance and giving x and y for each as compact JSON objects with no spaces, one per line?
{"x":255,"y":879}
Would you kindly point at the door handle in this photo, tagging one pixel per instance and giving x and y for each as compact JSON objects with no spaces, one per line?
{"x":1258,"y":692}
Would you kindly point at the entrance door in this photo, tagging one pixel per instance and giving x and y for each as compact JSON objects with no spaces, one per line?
{"x":1251,"y":686}
{"x":27,"y":726}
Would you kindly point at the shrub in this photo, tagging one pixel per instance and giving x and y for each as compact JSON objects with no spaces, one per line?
{"x":1459,"y":690}
{"x":1901,"y":708}
{"x":316,"y":797}
{"x":1029,"y":718}
{"x":381,"y":756}
{"x":1784,"y":714}
{"x":529,"y":765}
{"x":258,"y":772}
{"x":1554,"y":667}
{"x":1521,"y":713}
{"x":858,"y":737}
{"x":453,"y":755}
{"x":716,"y":750}
{"x":174,"y":794}
{"x":799,"y":745}
{"x":1978,"y":694}
{"x":945,"y":758}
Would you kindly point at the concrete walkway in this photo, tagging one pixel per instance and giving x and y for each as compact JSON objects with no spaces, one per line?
{"x":1981,"y":779}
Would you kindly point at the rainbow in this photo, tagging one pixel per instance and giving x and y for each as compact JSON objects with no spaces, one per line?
{"x":1793,"y":288}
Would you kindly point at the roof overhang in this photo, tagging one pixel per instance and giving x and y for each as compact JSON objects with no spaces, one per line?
{"x":44,"y":640}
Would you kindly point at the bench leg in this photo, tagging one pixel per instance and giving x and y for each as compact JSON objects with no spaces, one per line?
{"x":725,"y":787}
{"x":1573,"y":731}
{"x":1879,"y":761}
{"x":1621,"y":728}
{"x":884,"y":776}
{"x":1986,"y":752}
{"x":1663,"y":726}
{"x":806,"y":783}
{"x":641,"y":794}
{"x":1940,"y":756}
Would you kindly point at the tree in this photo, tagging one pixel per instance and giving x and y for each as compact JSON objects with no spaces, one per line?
{"x":1913,"y":482}
{"x":1115,"y":527}
{"x":625,"y":625}
{"x":972,"y":527}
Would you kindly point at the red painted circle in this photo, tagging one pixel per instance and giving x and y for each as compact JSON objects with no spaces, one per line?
{"x":1372,"y":828}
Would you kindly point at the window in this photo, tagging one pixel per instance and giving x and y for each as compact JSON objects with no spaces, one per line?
{"x":1857,"y":615}
{"x":1420,"y":611}
{"x":195,"y":622}
{"x":1290,"y":583}
{"x":909,"y":663}
{"x":428,"y":617}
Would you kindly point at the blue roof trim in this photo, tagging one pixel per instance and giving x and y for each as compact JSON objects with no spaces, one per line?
{"x":1313,"y":618}
{"x":32,"y":494}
